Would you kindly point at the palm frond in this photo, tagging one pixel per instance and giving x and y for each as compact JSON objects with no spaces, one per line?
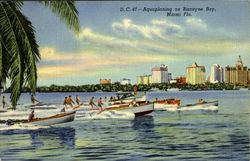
{"x":67,"y":11}
{"x":20,"y":47}
{"x":8,"y":35}
{"x":1,"y":64}
{"x":29,"y":46}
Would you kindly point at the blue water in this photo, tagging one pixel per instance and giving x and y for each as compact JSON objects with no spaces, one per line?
{"x":158,"y":136}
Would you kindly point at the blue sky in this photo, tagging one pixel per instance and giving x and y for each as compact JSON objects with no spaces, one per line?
{"x":114,"y":44}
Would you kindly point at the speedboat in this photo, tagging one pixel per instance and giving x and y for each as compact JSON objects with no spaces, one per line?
{"x":162,"y":104}
{"x":56,"y":119}
{"x":138,"y":109}
{"x":211,"y":106}
{"x":127,"y":97}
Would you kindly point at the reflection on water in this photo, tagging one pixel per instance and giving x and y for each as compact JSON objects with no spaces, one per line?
{"x":65,"y":134}
{"x":26,"y":141}
{"x":143,"y":122}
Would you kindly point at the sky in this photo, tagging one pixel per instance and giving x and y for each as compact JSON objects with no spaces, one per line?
{"x":114,"y":44}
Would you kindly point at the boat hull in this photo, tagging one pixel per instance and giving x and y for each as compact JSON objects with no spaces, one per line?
{"x":138,"y":98}
{"x":142,"y":109}
{"x":163,"y":104}
{"x":196,"y":108}
{"x":56,"y":119}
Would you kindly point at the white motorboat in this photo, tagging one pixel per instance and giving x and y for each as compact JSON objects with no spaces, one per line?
{"x":139,"y":109}
{"x":128,"y":97}
{"x":211,"y":106}
{"x":56,"y":119}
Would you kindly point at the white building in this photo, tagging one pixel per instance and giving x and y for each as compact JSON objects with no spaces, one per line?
{"x":125,"y":81}
{"x":217,"y":74}
{"x":160,"y":74}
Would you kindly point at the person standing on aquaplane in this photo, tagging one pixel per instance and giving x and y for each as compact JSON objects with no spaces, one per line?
{"x":4,"y":102}
{"x":70,"y":101}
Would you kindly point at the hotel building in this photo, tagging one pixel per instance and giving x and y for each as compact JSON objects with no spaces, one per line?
{"x":195,"y":74}
{"x":146,"y":79}
{"x":160,"y":74}
{"x":217,"y":74}
{"x":238,"y":74}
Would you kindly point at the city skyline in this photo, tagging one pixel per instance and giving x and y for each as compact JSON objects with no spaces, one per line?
{"x":115,"y":45}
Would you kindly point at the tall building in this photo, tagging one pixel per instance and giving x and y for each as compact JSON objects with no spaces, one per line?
{"x":217,"y":74}
{"x":238,"y":74}
{"x":160,"y":74}
{"x":125,"y":81}
{"x":105,"y":81}
{"x":146,"y":79}
{"x":195,"y":74}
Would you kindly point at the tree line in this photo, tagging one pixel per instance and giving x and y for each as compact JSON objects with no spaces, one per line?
{"x":129,"y":87}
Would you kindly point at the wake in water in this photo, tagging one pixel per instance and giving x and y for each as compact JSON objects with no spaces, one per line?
{"x":95,"y":115}
{"x":4,"y":127}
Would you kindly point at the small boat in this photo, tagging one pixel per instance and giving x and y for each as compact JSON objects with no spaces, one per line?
{"x":211,"y":106}
{"x":56,"y":119}
{"x":128,"y":97}
{"x":162,"y":104}
{"x":139,"y":110}
{"x":173,"y":89}
{"x":154,"y":89}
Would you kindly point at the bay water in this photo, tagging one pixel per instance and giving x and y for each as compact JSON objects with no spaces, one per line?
{"x":161,"y":135}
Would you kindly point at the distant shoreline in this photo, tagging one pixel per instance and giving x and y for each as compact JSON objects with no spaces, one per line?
{"x":141,"y":87}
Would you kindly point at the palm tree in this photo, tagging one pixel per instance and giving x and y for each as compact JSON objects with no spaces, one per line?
{"x":18,"y":47}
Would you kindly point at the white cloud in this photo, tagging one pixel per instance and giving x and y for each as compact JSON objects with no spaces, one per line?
{"x":158,"y":29}
{"x":87,"y":35}
{"x":196,"y":24}
{"x":168,"y":27}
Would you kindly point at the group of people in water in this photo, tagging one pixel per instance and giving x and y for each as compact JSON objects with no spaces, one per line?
{"x":69,"y":101}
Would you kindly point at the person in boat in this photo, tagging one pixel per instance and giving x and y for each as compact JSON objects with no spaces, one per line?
{"x":156,"y":99}
{"x":111,"y":98}
{"x":33,"y":99}
{"x":132,"y":103}
{"x":77,"y":100}
{"x":4,"y":102}
{"x":201,"y":101}
{"x":31,"y":116}
{"x":65,"y":102}
{"x":118,"y":97}
{"x":100,"y":103}
{"x":70,"y":101}
{"x":91,"y":102}
{"x":105,"y":99}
